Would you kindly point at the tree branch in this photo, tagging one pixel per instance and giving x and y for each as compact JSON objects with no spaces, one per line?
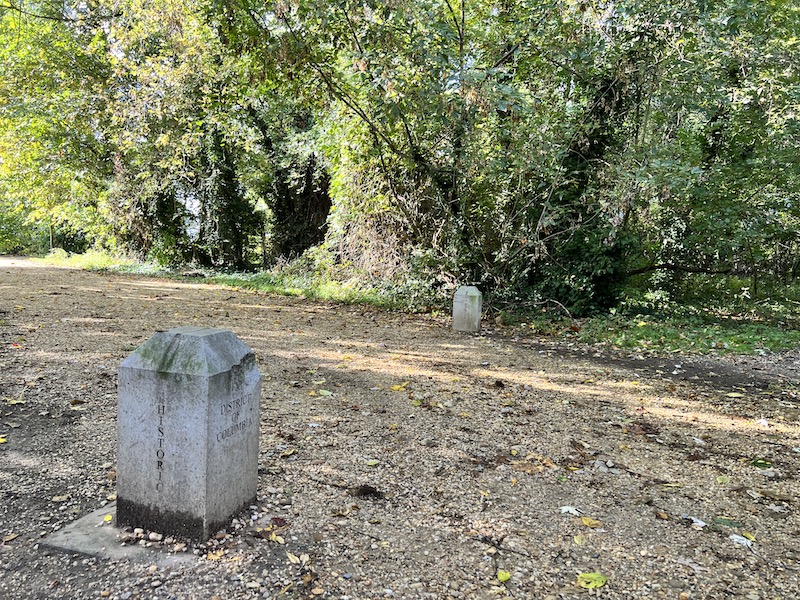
{"x":21,"y":10}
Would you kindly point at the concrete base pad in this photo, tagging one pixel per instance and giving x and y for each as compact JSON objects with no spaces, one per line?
{"x":92,"y":535}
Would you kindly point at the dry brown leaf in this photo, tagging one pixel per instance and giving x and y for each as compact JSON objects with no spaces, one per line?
{"x":526,"y":467}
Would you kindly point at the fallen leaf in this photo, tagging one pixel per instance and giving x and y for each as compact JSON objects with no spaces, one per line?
{"x":401,"y":387}
{"x":696,"y":523}
{"x":373,"y":463}
{"x":544,"y":460}
{"x":3,"y":439}
{"x":741,"y":540}
{"x":293,"y":558}
{"x":325,"y":393}
{"x":776,"y":496}
{"x":580,"y":540}
{"x":723,"y":479}
{"x":215,"y":555}
{"x":60,"y":498}
{"x":570,"y":510}
{"x":10,"y":537}
{"x":108,"y":518}
{"x":274,"y":537}
{"x":726,"y":521}
{"x":503,"y":576}
{"x":591,"y":580}
{"x":691,"y":564}
{"x":734,"y":395}
{"x":591,"y":523}
{"x":662,"y":515}
{"x":755,"y":495}
{"x":526,"y":467}
{"x":749,"y":536}
{"x":761,"y":463}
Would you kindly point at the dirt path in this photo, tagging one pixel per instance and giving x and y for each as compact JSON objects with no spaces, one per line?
{"x":431,"y":461}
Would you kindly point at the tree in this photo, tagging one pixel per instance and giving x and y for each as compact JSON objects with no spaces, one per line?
{"x":54,"y":160}
{"x":541,"y":150}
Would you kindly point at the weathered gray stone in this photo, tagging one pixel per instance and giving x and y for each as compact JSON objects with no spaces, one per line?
{"x":467,"y":306}
{"x":188,"y":429}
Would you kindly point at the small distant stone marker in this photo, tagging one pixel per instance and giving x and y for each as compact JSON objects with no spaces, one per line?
{"x":188,"y":430}
{"x":467,"y":306}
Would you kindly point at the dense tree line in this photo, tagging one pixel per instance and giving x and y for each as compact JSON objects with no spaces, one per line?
{"x":543,"y":150}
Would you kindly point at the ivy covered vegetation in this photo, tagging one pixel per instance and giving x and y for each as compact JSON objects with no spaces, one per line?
{"x":562,"y":153}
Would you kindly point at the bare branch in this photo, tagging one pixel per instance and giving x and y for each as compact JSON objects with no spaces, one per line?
{"x":19,"y":8}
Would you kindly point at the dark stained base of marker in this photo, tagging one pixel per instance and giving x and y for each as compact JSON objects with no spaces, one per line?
{"x":166,"y":522}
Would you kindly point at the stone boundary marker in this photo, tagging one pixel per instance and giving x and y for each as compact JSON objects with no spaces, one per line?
{"x":188,"y":431}
{"x":467,"y":307}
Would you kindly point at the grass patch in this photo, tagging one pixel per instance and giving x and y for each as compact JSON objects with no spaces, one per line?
{"x":701,"y":334}
{"x":690,"y":334}
{"x":281,"y":281}
{"x":307,"y":286}
{"x":95,"y":260}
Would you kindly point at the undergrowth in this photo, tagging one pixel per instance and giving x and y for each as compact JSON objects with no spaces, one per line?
{"x":688,"y":330}
{"x":95,"y":260}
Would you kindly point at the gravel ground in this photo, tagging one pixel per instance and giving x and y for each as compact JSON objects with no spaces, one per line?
{"x":401,"y":460}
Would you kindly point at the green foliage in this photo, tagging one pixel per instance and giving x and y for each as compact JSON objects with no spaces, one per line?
{"x":562,"y":151}
{"x":17,"y":236}
{"x":695,"y":334}
{"x":53,"y":167}
{"x":97,"y":260}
